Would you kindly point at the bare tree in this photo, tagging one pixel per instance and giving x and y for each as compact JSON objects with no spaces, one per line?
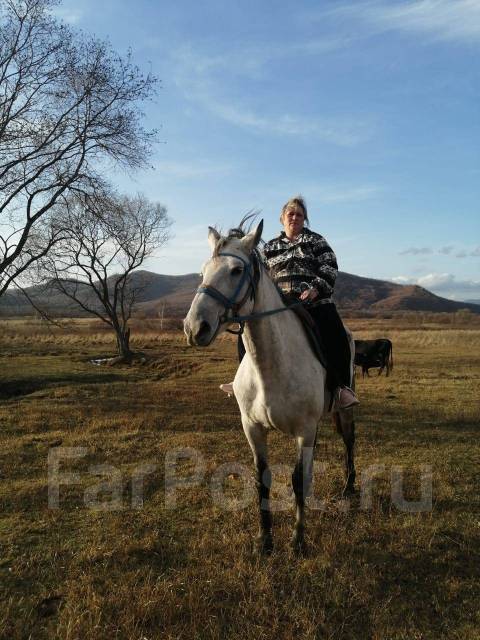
{"x":102,"y":240}
{"x":68,"y":105}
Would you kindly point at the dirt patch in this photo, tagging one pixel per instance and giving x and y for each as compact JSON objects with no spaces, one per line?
{"x":171,"y":367}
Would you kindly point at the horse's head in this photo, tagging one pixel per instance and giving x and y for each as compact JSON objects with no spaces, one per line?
{"x":228,"y":285}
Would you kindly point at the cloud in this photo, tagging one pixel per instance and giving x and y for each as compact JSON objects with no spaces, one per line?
{"x":321,"y":193}
{"x":334,"y":130}
{"x":68,"y":15}
{"x":447,"y":250}
{"x":333,"y":194}
{"x":201,"y":79}
{"x":191,"y":170}
{"x":185,"y":253}
{"x":451,"y":20}
{"x":444,"y":284}
{"x":403,"y":280}
{"x":437,"y":281}
{"x":416,"y":251}
{"x":252,"y":61}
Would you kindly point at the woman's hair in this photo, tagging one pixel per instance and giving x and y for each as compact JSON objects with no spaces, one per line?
{"x":296,"y":201}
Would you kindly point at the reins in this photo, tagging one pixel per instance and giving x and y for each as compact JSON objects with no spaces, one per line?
{"x":231,"y":303}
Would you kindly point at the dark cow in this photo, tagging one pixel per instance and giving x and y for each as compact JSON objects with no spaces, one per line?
{"x":374,"y":353}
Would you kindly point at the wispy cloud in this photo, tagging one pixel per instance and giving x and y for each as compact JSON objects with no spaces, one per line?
{"x":192,"y":170}
{"x":253,"y":61}
{"x":416,"y":251}
{"x":445,"y":251}
{"x":204,"y":78}
{"x":68,"y":14}
{"x":318,"y":193}
{"x":337,"y":131}
{"x":454,"y":20}
{"x":338,"y":193}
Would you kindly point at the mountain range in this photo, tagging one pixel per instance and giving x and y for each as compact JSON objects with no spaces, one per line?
{"x":171,"y":296}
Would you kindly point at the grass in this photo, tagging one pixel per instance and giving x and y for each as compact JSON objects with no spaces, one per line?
{"x":189,"y":572}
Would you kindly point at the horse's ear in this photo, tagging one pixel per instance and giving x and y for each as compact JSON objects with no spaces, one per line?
{"x":250,"y":241}
{"x":213,"y":237}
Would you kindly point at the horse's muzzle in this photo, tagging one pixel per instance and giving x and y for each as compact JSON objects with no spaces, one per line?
{"x":200,"y":334}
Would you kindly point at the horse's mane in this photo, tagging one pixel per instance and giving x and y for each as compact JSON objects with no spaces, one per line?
{"x":244,"y":227}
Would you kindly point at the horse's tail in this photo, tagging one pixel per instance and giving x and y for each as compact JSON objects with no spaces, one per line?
{"x":390,"y":364}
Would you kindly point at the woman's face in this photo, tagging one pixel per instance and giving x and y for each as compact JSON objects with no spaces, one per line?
{"x":293,"y":220}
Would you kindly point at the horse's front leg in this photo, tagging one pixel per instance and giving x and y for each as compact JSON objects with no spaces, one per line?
{"x":301,"y":481}
{"x":257,"y":438}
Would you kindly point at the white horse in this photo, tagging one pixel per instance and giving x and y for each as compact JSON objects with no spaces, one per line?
{"x":280,"y":383}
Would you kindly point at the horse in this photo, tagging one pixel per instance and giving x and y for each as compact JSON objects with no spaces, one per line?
{"x":280,"y":383}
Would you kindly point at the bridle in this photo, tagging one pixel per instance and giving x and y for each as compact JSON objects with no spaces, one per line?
{"x":252,"y":274}
{"x":232,"y":304}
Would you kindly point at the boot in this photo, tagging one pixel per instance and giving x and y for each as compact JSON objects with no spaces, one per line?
{"x":345,"y":398}
{"x":227,"y":388}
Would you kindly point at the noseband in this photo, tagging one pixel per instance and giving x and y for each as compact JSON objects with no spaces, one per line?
{"x":232,"y":303}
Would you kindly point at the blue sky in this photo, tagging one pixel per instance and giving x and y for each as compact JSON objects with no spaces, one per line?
{"x":369,"y":109}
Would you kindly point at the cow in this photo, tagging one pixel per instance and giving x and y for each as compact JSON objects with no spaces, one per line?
{"x":374,"y":353}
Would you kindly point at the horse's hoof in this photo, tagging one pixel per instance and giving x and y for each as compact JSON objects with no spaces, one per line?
{"x":300,"y":549}
{"x":264,"y":546}
{"x":348,"y":491}
{"x":299,"y":546}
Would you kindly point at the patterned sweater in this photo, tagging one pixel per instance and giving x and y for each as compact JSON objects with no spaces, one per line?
{"x":307,"y":259}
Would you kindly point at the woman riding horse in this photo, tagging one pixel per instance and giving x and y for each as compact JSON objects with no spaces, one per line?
{"x":280,"y":383}
{"x":304,"y":267}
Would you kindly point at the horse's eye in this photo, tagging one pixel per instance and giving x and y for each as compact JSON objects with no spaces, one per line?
{"x":236,"y":271}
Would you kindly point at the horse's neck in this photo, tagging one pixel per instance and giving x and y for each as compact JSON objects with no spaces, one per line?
{"x":267,"y":340}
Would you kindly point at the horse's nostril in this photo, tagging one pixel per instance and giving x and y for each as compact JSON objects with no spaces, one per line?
{"x":203,"y":330}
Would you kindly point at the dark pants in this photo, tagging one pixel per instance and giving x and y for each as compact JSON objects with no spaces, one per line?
{"x":335,"y":344}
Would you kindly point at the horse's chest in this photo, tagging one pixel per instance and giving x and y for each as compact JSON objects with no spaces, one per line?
{"x":276,"y":413}
{"x":278,"y":398}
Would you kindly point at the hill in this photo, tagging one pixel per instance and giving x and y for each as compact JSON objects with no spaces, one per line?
{"x":172,"y":295}
{"x":357,"y":293}
{"x":153,"y":288}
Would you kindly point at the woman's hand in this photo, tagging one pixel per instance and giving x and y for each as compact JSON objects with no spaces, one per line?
{"x":309,"y":294}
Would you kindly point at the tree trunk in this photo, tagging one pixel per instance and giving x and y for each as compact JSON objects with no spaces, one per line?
{"x":123,"y":343}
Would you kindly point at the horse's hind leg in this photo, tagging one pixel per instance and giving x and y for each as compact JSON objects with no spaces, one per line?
{"x":257,"y":438}
{"x":346,"y":428}
{"x":301,"y":481}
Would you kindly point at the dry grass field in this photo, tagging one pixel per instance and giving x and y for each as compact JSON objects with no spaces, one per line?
{"x":104,"y":565}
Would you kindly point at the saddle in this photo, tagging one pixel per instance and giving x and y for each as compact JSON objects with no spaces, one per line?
{"x":311,"y":329}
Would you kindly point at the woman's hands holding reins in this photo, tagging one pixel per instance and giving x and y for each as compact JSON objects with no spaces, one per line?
{"x":309,"y":295}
